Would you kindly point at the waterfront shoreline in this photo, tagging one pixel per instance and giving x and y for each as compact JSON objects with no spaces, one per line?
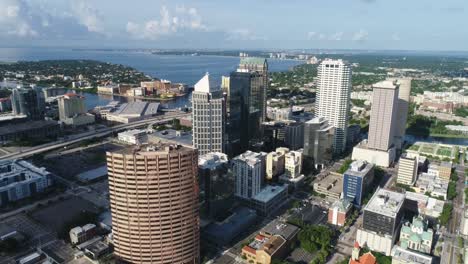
{"x":145,"y":97}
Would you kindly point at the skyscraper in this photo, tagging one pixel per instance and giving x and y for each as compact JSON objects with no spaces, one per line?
{"x":154,"y":204}
{"x":404,"y":94}
{"x":318,"y":140}
{"x":247,"y":104}
{"x":259,"y":65}
{"x":249,"y":170}
{"x":383,"y":120}
{"x":333,"y":97}
{"x":208,"y":117}
{"x":216,"y":183}
{"x":29,"y":102}
{"x":245,"y":111}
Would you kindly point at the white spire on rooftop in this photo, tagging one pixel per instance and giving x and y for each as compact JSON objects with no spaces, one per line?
{"x":205,"y":85}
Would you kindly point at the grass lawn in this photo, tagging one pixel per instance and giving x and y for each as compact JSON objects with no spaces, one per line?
{"x":427,"y":149}
{"x":414,"y":147}
{"x":445,"y":151}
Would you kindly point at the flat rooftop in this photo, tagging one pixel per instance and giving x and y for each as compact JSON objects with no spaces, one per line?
{"x":26,"y":126}
{"x":93,"y":174}
{"x":333,"y":182}
{"x":152,"y":149}
{"x":387,"y":84}
{"x":386,"y":202}
{"x":212,"y":160}
{"x":251,"y":157}
{"x":137,"y":109}
{"x":285,"y":230}
{"x":408,"y":256}
{"x":172,"y":136}
{"x":269,"y":192}
{"x":359,"y":168}
{"x":132,"y":132}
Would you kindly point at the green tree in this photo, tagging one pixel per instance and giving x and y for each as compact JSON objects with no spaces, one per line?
{"x":446,"y":214}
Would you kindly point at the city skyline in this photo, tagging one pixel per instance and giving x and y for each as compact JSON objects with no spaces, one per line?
{"x":357,"y":24}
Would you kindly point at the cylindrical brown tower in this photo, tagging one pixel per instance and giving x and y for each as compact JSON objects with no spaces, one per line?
{"x":154,"y":204}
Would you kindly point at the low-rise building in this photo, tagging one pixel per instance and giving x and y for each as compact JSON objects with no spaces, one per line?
{"x":21,"y":179}
{"x":329,"y":184}
{"x":357,"y":258}
{"x":279,"y":114}
{"x":421,"y":204}
{"x":273,"y":242}
{"x":445,"y":171}
{"x":82,"y":234}
{"x":428,"y":183}
{"x":416,"y":235}
{"x":134,"y":136}
{"x":31,"y":130}
{"x":269,"y":199}
{"x":172,"y":136}
{"x":97,"y":250}
{"x":338,"y":212}
{"x":224,"y":231}
{"x":462,"y":129}
{"x":378,"y":157}
{"x":133,"y":111}
{"x":108,"y":89}
{"x":405,"y":256}
{"x":136,"y":92}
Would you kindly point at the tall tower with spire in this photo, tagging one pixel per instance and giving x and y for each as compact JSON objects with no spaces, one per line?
{"x":208,"y":116}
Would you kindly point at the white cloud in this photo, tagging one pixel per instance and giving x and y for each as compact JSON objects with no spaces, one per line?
{"x":361,"y":35}
{"x":322,"y":36}
{"x":242,"y":34}
{"x":87,"y":16}
{"x":21,"y":19}
{"x":15,"y":19}
{"x":184,"y":19}
{"x":311,"y":35}
{"x":336,"y":36}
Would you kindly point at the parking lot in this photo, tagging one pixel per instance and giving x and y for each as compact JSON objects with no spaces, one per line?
{"x":55,"y":216}
{"x":34,"y":233}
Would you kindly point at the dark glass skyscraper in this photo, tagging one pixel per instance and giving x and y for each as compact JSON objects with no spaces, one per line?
{"x":29,"y":102}
{"x":247,"y":104}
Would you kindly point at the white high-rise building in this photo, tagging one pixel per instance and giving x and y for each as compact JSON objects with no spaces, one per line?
{"x":333,"y":96}
{"x":208,"y":115}
{"x":249,"y":170}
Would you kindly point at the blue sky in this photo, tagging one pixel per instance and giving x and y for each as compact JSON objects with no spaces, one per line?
{"x":239,"y":24}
